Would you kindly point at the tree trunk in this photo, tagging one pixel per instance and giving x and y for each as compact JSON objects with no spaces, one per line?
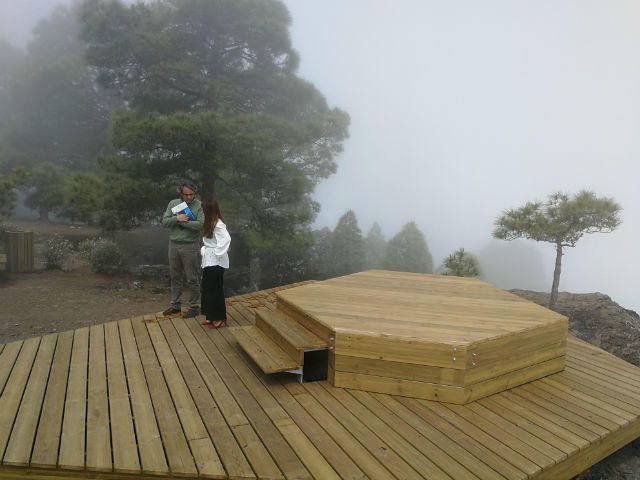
{"x":254,"y":271}
{"x":556,"y":276}
{"x":207,"y":189}
{"x":44,"y":214}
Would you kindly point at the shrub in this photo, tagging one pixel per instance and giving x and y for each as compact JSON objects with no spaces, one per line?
{"x":85,"y":248}
{"x":103,"y":255}
{"x":460,"y":264}
{"x":55,"y":251}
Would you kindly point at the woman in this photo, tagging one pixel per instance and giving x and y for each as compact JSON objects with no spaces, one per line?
{"x":215,"y":260}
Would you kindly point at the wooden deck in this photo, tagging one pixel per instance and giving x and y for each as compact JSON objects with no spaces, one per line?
{"x":157,"y":399}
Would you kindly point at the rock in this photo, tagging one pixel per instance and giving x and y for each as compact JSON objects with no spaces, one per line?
{"x":156,"y":272}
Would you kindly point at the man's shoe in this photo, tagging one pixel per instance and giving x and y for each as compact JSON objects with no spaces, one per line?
{"x":171,"y":311}
{"x":192,"y":312}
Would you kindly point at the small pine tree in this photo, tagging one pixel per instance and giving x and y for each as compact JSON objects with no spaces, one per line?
{"x":375,"y":244}
{"x":408,"y":251}
{"x":460,"y":264}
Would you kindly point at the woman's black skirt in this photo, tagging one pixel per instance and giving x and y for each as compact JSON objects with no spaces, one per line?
{"x":212,"y":303}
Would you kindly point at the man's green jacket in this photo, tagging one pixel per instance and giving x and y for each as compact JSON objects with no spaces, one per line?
{"x":186,"y":232}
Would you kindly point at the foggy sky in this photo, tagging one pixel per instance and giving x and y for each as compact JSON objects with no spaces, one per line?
{"x":460,"y":110}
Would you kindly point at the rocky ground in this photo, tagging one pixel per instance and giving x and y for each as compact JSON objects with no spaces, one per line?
{"x":597,"y":319}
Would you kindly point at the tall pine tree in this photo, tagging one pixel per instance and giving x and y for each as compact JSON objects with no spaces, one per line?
{"x":408,"y":251}
{"x":346,"y":247}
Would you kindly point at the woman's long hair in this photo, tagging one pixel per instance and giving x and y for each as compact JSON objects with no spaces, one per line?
{"x":212,"y":214}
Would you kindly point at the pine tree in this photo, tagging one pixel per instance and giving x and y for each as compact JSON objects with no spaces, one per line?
{"x":561,"y":221}
{"x":408,"y":251}
{"x":346,"y":247}
{"x":460,"y":264}
{"x":375,"y":244}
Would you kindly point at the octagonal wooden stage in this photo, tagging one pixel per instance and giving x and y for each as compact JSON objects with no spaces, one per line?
{"x":424,"y":336}
{"x":143,"y":398}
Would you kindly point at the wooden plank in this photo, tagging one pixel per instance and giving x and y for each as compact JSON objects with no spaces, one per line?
{"x":254,"y":450}
{"x":586,"y":385}
{"x":510,"y":437}
{"x":348,"y":441}
{"x":125,"y":449}
{"x":448,"y":376}
{"x":492,"y":350}
{"x":431,"y":445}
{"x":98,"y":431}
{"x":606,"y":362}
{"x":45,"y":448}
{"x":540,"y":411}
{"x":288,"y":334}
{"x":204,"y":453}
{"x":265,"y":414}
{"x":465,"y":447}
{"x":529,"y":420}
{"x":291,"y":330}
{"x":593,"y":454}
{"x":502,"y":448}
{"x":434,"y":463}
{"x":368,"y":435}
{"x":269,"y":356}
{"x":400,"y":370}
{"x":7,"y":360}
{"x":307,"y":320}
{"x":516,"y":359}
{"x":584,"y":398}
{"x":584,"y":402}
{"x":18,"y":450}
{"x":316,"y":464}
{"x":546,"y":443}
{"x":152,"y":457}
{"x":623,"y":385}
{"x":579,"y":417}
{"x":445,"y":393}
{"x":333,"y":452}
{"x":420,"y":352}
{"x":226,"y":446}
{"x":13,"y":390}
{"x":72,"y":440}
{"x":181,"y":461}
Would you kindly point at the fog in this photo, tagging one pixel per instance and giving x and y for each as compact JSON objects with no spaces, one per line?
{"x":460,"y":110}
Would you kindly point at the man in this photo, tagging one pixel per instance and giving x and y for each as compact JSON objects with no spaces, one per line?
{"x":184,"y":249}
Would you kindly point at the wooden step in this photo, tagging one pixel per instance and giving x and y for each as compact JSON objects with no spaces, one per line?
{"x":262,"y":350}
{"x":292,"y":337}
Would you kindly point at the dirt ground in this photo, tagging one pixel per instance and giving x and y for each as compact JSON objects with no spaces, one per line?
{"x":48,"y":301}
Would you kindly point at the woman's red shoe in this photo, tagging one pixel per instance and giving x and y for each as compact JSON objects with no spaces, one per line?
{"x":217,"y":325}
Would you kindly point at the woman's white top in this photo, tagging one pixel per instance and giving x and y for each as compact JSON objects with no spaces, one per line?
{"x":214,"y":251}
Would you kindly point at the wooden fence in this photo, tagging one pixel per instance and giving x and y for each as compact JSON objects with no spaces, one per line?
{"x":19,"y":251}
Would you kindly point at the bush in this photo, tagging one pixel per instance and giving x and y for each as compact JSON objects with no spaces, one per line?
{"x":103,"y":255}
{"x":55,"y":251}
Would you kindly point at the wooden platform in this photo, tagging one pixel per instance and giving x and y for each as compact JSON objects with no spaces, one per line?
{"x":434,"y":337}
{"x":160,"y":399}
